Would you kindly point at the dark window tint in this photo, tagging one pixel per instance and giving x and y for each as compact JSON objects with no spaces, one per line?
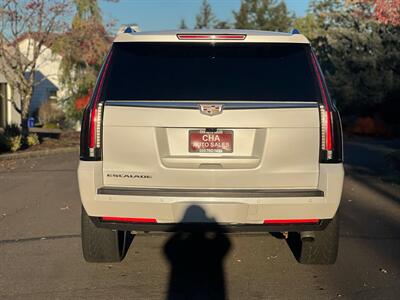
{"x":203,"y":71}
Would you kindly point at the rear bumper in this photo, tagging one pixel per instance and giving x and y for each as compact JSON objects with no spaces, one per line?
{"x":238,"y":210}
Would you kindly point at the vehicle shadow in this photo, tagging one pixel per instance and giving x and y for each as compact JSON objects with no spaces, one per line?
{"x":196,"y":258}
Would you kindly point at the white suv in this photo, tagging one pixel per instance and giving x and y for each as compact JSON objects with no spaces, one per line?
{"x":227,"y":127}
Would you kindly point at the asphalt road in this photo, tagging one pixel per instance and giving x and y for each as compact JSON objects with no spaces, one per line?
{"x":40,"y":248}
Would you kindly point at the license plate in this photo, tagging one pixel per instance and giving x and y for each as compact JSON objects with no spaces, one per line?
{"x":202,"y":141}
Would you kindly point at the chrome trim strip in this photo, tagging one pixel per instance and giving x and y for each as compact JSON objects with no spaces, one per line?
{"x":206,"y":193}
{"x":226,"y":105}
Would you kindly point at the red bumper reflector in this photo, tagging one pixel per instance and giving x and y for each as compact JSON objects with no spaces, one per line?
{"x":293,"y":221}
{"x":130,"y":220}
{"x":211,"y":36}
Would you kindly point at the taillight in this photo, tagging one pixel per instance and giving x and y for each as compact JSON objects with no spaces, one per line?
{"x":331,"y":130}
{"x":326,"y":131}
{"x":91,"y":123}
{"x":211,"y":36}
{"x":95,"y":128}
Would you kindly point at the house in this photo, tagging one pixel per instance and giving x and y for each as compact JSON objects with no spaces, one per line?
{"x":47,"y":86}
{"x":9,"y":100}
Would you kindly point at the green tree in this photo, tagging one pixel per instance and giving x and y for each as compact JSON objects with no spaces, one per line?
{"x":263,"y":15}
{"x":360,"y":56}
{"x":83,"y":49}
{"x":308,"y":25}
{"x":206,"y":18}
{"x":86,"y":10}
{"x":182,"y":24}
{"x":327,"y":12}
{"x":222,"y":25}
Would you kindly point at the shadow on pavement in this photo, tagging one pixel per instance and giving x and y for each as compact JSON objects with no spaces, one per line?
{"x":32,"y":239}
{"x":373,"y":184}
{"x":196,"y":258}
{"x":369,"y":156}
{"x":371,"y":217}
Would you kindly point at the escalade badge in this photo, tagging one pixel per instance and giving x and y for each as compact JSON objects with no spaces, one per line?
{"x":211,"y":109}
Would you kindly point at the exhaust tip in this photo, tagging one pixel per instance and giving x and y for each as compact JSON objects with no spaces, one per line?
{"x":307,"y":236}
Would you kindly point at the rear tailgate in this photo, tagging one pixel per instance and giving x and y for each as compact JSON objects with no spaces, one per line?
{"x":274,"y":148}
{"x":269,"y":123}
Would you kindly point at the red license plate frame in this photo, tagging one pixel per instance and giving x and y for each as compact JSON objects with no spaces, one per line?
{"x":203,"y":141}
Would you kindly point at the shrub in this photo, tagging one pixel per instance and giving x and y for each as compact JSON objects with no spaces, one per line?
{"x":3,"y":143}
{"x":12,"y":130}
{"x":14,"y":143}
{"x":32,"y":139}
{"x":13,"y":140}
{"x":49,"y":112}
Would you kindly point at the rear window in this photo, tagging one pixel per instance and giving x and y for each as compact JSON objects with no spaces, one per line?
{"x":205,"y":71}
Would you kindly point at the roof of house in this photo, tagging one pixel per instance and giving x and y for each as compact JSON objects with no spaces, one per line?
{"x":48,"y":41}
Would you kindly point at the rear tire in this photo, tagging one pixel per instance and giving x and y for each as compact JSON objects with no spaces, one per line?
{"x":323,"y":250}
{"x":103,"y":245}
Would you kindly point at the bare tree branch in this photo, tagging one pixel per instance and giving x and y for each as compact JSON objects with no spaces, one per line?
{"x":37,"y":21}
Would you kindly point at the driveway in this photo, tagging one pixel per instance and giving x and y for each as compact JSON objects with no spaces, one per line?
{"x":40,"y":248}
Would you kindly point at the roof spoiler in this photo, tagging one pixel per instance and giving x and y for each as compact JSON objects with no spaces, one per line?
{"x":129,"y":28}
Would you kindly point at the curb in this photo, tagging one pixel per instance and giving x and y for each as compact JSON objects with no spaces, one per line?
{"x":31,"y":154}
